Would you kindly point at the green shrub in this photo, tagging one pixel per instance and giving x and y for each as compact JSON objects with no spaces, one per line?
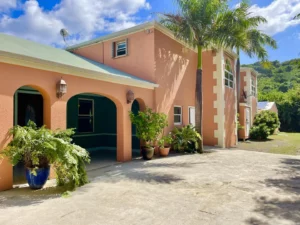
{"x":186,"y":139}
{"x":269,"y":119}
{"x":149,"y":125}
{"x":41,"y":147}
{"x":260,"y":132}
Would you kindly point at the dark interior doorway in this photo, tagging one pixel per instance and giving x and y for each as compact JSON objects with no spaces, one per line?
{"x":28,"y":105}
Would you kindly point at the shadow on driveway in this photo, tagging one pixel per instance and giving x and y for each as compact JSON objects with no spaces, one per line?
{"x":287,"y":208}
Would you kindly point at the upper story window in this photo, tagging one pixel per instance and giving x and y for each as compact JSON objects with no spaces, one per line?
{"x":177,"y":115}
{"x":119,"y":48}
{"x":229,"y":82}
{"x":253,"y":87}
{"x":85,"y":115}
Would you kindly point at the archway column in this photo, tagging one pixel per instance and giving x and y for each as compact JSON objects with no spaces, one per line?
{"x":6,"y":122}
{"x":124,"y":145}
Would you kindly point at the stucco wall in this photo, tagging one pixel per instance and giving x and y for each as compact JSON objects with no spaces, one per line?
{"x":230,"y":110}
{"x":209,"y":97}
{"x":14,"y":77}
{"x":253,"y":99}
{"x":175,"y":72}
{"x":139,"y":61}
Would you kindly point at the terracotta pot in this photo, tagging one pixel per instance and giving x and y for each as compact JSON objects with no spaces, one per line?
{"x":164,"y":151}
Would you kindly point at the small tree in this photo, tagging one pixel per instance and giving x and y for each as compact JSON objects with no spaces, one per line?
{"x":149,"y":125}
{"x":265,"y":124}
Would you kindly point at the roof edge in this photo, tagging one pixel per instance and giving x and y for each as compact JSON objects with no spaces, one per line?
{"x":35,"y":63}
{"x":251,"y":69}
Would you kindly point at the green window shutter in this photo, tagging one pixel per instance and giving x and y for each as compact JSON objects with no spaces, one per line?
{"x":113,"y":49}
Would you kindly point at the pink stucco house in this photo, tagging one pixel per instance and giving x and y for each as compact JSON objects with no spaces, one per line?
{"x":146,"y":60}
{"x":248,"y":100}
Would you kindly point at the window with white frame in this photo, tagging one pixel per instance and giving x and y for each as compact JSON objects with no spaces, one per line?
{"x":177,"y":115}
{"x":85,"y":116}
{"x":253,"y":87}
{"x":229,"y":81}
{"x":121,"y":48}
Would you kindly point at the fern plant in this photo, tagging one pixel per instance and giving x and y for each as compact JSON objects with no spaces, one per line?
{"x":186,"y":139}
{"x":41,"y":147}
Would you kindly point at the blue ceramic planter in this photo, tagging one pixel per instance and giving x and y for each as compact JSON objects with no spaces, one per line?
{"x":38,"y":181}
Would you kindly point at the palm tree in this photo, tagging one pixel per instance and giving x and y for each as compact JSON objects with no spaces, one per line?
{"x":203,"y":24}
{"x":255,"y":40}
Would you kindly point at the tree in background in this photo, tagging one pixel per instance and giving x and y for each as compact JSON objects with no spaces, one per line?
{"x":254,"y":42}
{"x":205,"y":24}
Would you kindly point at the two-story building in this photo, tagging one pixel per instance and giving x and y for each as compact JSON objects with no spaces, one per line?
{"x":248,"y":100}
{"x":145,"y":61}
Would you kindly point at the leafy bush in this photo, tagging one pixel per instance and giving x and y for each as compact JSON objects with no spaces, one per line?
{"x":41,"y":147}
{"x":268,"y":118}
{"x":165,"y":141}
{"x":149,"y":125}
{"x":260,"y":132}
{"x":186,"y":139}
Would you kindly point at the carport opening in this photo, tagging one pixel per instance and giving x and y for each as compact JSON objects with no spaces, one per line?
{"x":94,"y":118}
{"x":28,"y":105}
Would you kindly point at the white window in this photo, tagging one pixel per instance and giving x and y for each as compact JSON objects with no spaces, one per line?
{"x":85,"y":116}
{"x":192,"y":116}
{"x":253,"y":87}
{"x":121,"y":48}
{"x":229,"y":81}
{"x":177,"y":115}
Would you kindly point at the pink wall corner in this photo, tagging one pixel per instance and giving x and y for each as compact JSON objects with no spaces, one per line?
{"x":209,"y":97}
{"x":230,"y":112}
{"x":175,"y":72}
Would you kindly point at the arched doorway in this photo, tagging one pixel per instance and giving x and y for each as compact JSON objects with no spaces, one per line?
{"x":94,"y":118}
{"x":28,"y":105}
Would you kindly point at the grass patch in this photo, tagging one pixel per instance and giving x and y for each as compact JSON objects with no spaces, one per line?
{"x":282,"y":143}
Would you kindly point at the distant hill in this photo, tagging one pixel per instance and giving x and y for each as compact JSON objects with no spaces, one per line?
{"x":280,"y":76}
{"x":280,"y":83}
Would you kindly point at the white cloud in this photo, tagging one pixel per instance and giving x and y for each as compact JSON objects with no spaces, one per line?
{"x":82,"y":18}
{"x":279,"y":13}
{"x":7,"y":4}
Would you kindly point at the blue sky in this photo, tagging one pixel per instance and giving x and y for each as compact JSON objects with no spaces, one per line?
{"x":41,"y":20}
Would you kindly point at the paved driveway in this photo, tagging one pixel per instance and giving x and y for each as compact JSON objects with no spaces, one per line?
{"x":224,"y":187}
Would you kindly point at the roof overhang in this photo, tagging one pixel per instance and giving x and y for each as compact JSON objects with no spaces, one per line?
{"x":21,"y":60}
{"x":245,"y":69}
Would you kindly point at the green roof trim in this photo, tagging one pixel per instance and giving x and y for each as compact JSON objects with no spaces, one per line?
{"x":21,"y":47}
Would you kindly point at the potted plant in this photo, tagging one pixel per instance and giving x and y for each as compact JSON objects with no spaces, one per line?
{"x":186,"y":139}
{"x":149,"y":126}
{"x":40,"y":148}
{"x":164,"y":145}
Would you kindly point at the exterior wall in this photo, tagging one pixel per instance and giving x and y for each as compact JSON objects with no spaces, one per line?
{"x":219,"y":103}
{"x":209,"y":81}
{"x":230,"y":110}
{"x":55,"y":110}
{"x":242,"y":120}
{"x":139,"y":61}
{"x":253,"y":99}
{"x":175,"y":72}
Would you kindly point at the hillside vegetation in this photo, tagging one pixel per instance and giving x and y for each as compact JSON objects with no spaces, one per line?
{"x":280,"y":83}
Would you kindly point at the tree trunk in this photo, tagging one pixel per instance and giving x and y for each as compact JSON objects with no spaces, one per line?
{"x":198,"y":107}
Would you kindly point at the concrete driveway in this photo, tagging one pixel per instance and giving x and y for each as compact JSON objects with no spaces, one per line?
{"x":224,"y":187}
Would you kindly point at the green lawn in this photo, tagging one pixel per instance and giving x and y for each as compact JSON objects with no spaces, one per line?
{"x":282,"y":143}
